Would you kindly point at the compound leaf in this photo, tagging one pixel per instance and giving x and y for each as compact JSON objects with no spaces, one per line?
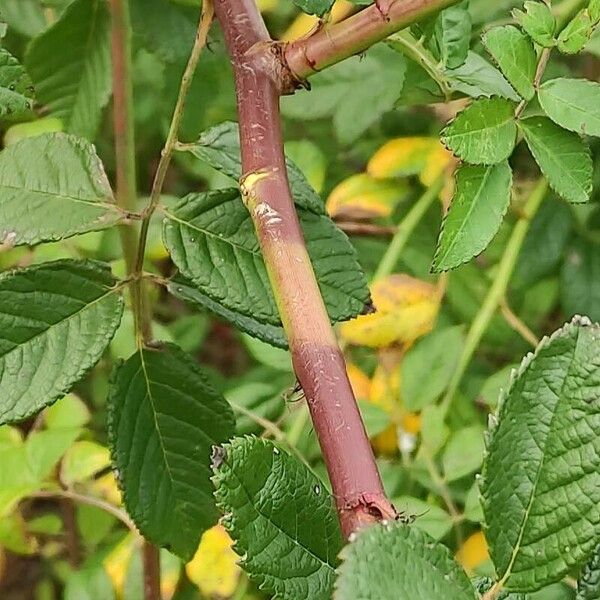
{"x":538,"y":22}
{"x":573,"y":104}
{"x":164,"y":418}
{"x":53,"y":186}
{"x":265,"y":494}
{"x":574,"y":37}
{"x":353,"y":94}
{"x":70,"y":66}
{"x":544,"y":453}
{"x":212,"y":241}
{"x":484,"y":133}
{"x":56,"y":320}
{"x":480,"y":201}
{"x":514,"y":53}
{"x":563,"y":157}
{"x":410,"y":566}
{"x":16,"y":90}
{"x":477,"y":78}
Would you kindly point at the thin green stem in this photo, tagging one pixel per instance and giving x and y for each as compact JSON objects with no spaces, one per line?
{"x":171,"y":141}
{"x":497,"y":291}
{"x":406,"y":227}
{"x":90,"y":501}
{"x":126,"y":194}
{"x":414,"y":49}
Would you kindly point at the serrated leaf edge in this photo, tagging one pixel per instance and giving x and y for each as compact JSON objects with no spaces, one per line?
{"x":95,"y":265}
{"x":515,"y":374}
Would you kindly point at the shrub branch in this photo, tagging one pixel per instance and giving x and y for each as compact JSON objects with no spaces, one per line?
{"x":261,"y":77}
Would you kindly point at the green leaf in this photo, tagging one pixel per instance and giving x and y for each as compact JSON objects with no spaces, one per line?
{"x":265,"y":494}
{"x":212,"y":241}
{"x":353,"y":94}
{"x":563,"y":157}
{"x":544,"y":453}
{"x":25,"y":16}
{"x":188,"y":292}
{"x":164,"y":28}
{"x":545,"y":243}
{"x":53,"y":186}
{"x":27,"y":464}
{"x":515,"y":55}
{"x":453,"y":35}
{"x":580,"y":279}
{"x":493,"y":386}
{"x":588,"y":585}
{"x":16,"y":90}
{"x":477,"y":77}
{"x":375,"y":418}
{"x":409,"y":566}
{"x":538,"y":21}
{"x":89,"y":583}
{"x":83,"y":460}
{"x":164,"y":417}
{"x":574,"y":37}
{"x":428,"y":367}
{"x":68,"y":412}
{"x":56,"y":320}
{"x":594,"y":10}
{"x":484,"y":133}
{"x":433,"y":520}
{"x":275,"y":358}
{"x":70,"y":66}
{"x":464,"y":453}
{"x":314,"y":7}
{"x":573,"y":104}
{"x":219,"y":146}
{"x":481,"y":198}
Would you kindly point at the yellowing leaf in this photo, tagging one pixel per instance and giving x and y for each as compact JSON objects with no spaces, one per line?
{"x":266,"y":6}
{"x":116,"y":563}
{"x":411,"y":423}
{"x":214,"y":567}
{"x":473,"y":552}
{"x":304,"y":24}
{"x":406,"y":309}
{"x":359,"y":381}
{"x":170,"y":570}
{"x":436,"y":162}
{"x":362,"y":197}
{"x":106,"y":487}
{"x":385,"y":387}
{"x":401,"y":157}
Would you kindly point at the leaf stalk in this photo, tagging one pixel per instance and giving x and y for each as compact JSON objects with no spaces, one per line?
{"x":497,"y":291}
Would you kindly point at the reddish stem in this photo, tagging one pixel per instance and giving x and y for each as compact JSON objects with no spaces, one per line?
{"x":260,"y":79}
{"x":151,"y":560}
{"x":355,"y":34}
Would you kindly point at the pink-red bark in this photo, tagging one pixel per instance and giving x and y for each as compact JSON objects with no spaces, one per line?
{"x":356,"y":33}
{"x":260,"y":79}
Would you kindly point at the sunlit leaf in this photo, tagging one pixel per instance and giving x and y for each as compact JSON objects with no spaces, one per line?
{"x":362,"y":197}
{"x":214,"y":568}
